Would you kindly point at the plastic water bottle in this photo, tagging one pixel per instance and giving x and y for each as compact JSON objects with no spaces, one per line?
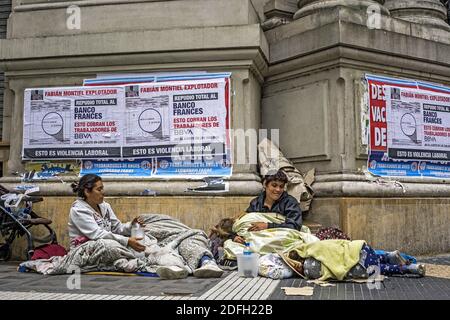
{"x":247,"y":250}
{"x":220,"y":253}
{"x":138,"y":233}
{"x":134,"y":229}
{"x":248,"y":258}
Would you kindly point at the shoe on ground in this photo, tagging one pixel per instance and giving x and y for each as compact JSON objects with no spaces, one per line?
{"x":172,"y":272}
{"x":208,"y":270}
{"x":357,"y":272}
{"x":396,"y":258}
{"x":227,"y":264}
{"x":418,"y":269}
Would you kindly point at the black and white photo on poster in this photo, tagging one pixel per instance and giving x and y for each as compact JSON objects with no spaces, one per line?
{"x":73,"y":122}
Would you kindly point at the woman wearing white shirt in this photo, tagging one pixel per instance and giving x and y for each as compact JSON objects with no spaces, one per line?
{"x":91,"y":218}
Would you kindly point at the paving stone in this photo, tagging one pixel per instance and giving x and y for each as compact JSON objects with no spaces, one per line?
{"x":14,"y":285}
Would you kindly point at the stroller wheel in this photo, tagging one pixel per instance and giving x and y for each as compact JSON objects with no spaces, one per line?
{"x":5,"y":252}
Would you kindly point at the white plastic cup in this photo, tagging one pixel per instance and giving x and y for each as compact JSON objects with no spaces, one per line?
{"x":248,"y":265}
{"x":139,"y":234}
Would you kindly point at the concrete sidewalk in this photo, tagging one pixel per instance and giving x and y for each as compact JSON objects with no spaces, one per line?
{"x":31,"y":286}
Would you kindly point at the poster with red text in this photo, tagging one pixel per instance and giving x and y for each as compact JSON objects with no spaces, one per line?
{"x":167,"y":118}
{"x":409,"y":128}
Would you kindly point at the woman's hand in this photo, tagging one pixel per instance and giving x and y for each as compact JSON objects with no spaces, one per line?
{"x":257,"y":226}
{"x":134,"y":244}
{"x":239,"y":239}
{"x":139,"y":220}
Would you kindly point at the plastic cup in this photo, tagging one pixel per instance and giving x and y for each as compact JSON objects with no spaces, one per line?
{"x":248,"y":265}
{"x":139,"y":234}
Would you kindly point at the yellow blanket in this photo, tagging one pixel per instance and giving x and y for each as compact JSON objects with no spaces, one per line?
{"x":265,"y":241}
{"x":337,"y":256}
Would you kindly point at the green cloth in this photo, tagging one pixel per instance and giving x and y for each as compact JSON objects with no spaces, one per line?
{"x":337,"y":256}
{"x":268,"y":240}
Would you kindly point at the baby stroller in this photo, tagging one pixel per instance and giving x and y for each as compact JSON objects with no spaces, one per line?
{"x":16,"y":218}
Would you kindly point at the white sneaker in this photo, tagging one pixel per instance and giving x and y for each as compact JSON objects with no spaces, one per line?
{"x":172,"y":272}
{"x":208,"y":270}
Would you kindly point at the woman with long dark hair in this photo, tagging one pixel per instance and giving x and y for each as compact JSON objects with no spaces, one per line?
{"x":91,"y":218}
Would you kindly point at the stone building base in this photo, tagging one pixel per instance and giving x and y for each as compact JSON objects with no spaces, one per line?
{"x":197,"y":212}
{"x":412,"y":225}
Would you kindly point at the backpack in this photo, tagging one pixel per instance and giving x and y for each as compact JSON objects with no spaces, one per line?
{"x":47,"y":251}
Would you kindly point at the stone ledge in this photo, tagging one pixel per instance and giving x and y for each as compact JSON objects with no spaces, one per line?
{"x":346,"y":27}
{"x":362,"y":185}
{"x":348,"y":15}
{"x":187,"y":39}
{"x":375,"y":190}
{"x":78,"y":68}
{"x":427,"y":12}
{"x":309,"y":7}
{"x":31,"y":5}
{"x":349,"y":34}
{"x":239,"y":185}
{"x":99,"y":16}
{"x":362,"y":60}
{"x":350,"y":176}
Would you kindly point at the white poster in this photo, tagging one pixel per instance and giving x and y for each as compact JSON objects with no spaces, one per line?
{"x":73,"y":123}
{"x":188,"y":118}
{"x":418,"y":124}
{"x":185,"y":124}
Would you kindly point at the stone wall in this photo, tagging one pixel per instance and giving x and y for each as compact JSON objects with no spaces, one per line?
{"x":415,"y":225}
{"x":5,"y":10}
{"x":296,"y":66}
{"x":200,"y":35}
{"x":314,"y":93}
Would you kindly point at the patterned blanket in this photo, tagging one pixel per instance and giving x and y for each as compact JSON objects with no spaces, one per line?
{"x":168,"y":243}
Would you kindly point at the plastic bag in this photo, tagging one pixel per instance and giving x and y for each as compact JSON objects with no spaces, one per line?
{"x":272,"y":266}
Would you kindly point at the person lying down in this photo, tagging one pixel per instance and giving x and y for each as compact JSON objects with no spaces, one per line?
{"x":231,"y":234}
{"x":304,"y":253}
{"x":345,"y":259}
{"x":100,"y":242}
{"x":172,"y":251}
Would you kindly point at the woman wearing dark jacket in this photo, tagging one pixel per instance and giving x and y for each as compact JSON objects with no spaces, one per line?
{"x":274,"y":199}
